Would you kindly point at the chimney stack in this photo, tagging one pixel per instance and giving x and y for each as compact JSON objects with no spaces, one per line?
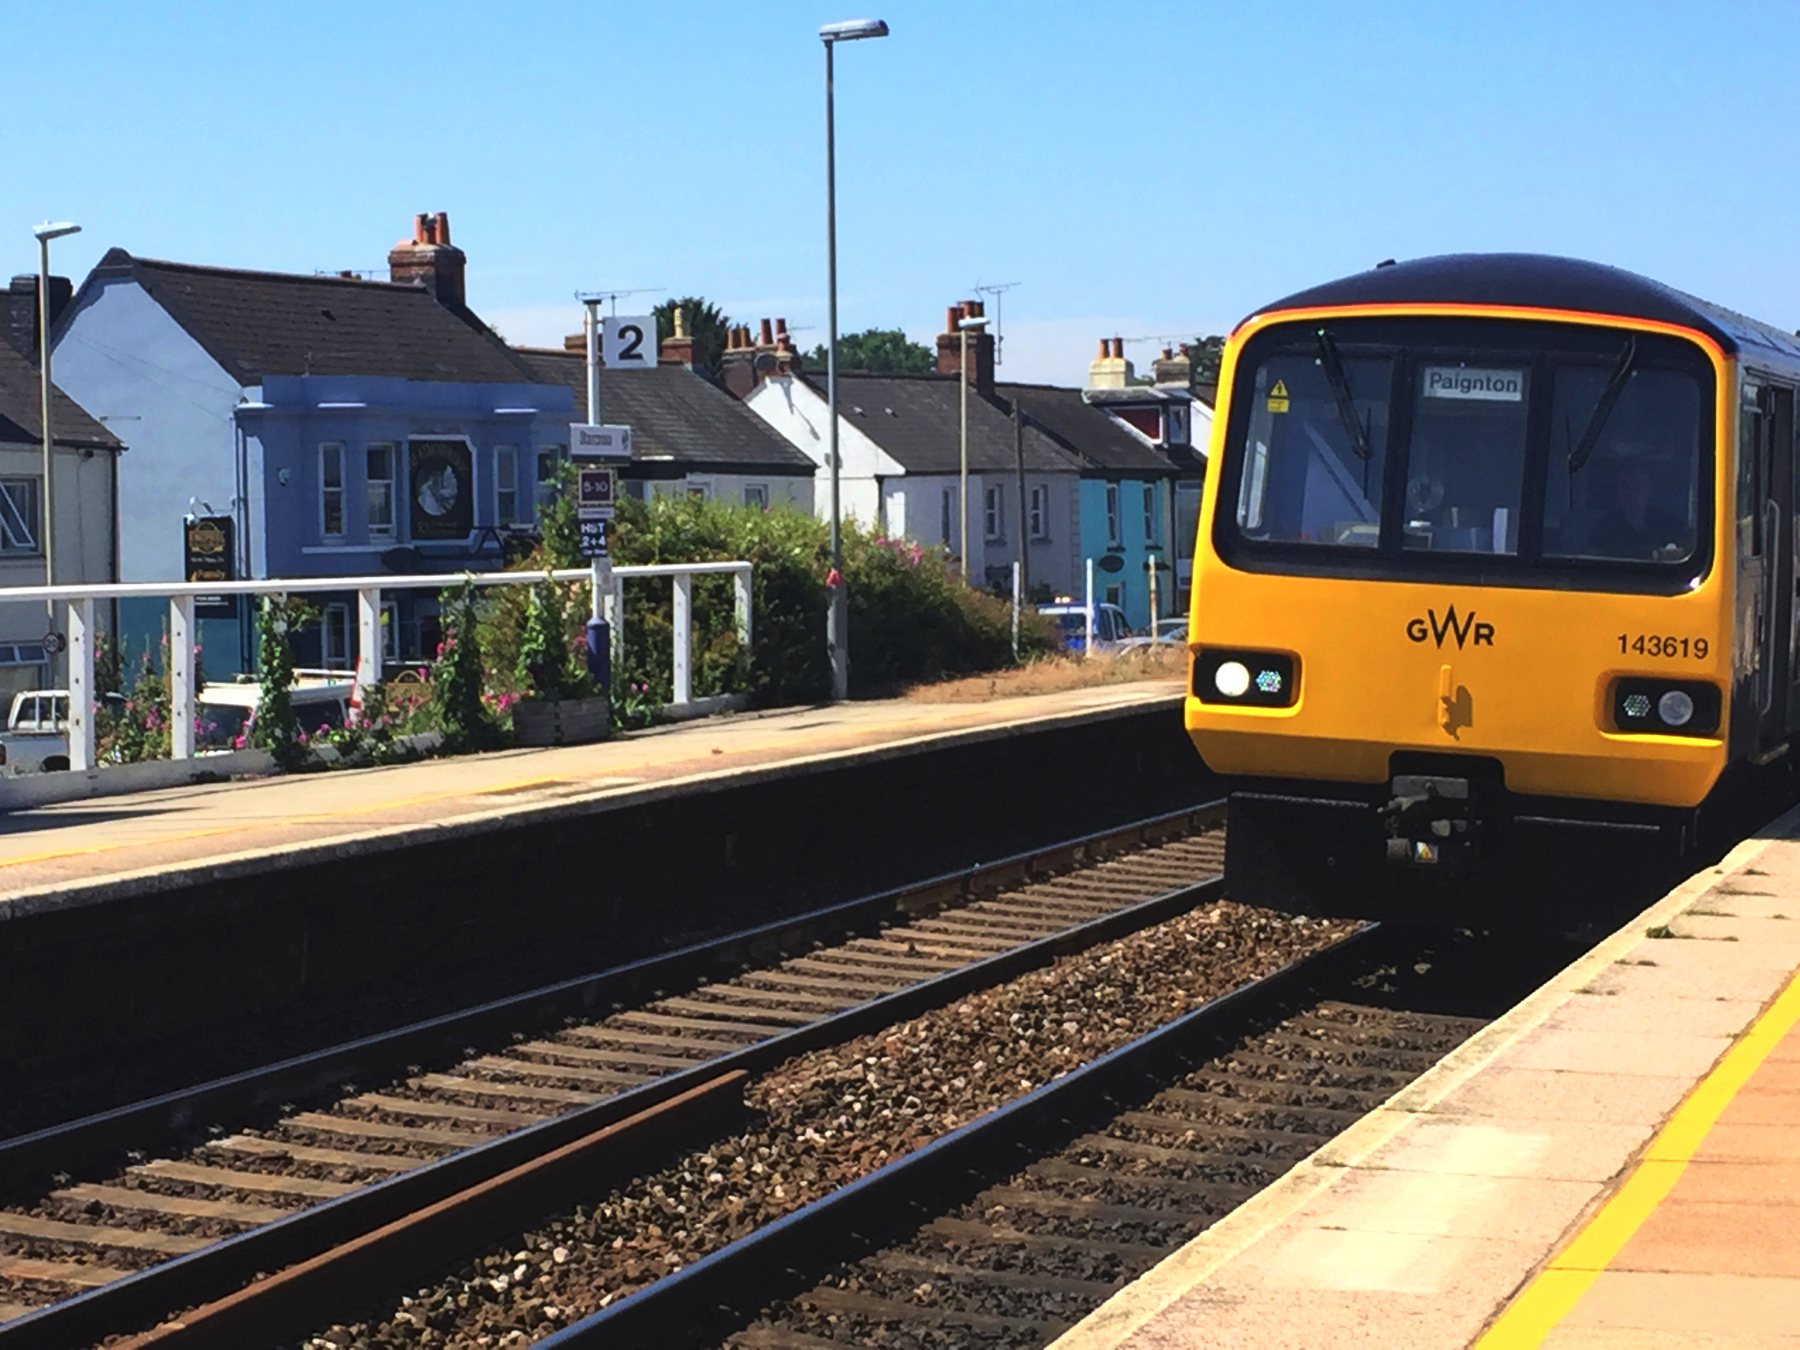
{"x":754,"y":356}
{"x":981,"y":346}
{"x":678,"y":348}
{"x":1173,"y":370}
{"x":431,"y":259}
{"x":1110,"y":370}
{"x":20,"y":316}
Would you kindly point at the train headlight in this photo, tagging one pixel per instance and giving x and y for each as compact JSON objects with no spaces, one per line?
{"x":1676,"y":708}
{"x":1667,"y":707}
{"x":1247,"y":678}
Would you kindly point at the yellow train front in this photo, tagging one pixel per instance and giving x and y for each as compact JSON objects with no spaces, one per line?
{"x":1494,"y":596}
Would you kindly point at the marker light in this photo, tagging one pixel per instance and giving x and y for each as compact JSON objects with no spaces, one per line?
{"x":1668,"y":707}
{"x":1676,"y":708}
{"x":1232,"y":679}
{"x":1269,"y":681}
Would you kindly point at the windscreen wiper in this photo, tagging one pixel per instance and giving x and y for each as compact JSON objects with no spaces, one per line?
{"x":1609,"y":396}
{"x":1340,"y":388}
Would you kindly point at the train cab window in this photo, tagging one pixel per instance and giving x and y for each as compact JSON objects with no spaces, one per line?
{"x":1313,"y":460}
{"x":1465,"y":465}
{"x":1635,"y":496}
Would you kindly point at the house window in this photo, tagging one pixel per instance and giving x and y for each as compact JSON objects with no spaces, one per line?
{"x":993,"y":516}
{"x":1115,"y":527}
{"x":390,"y":631}
{"x":331,"y":490}
{"x":1040,"y":513}
{"x":506,"y":485}
{"x":949,"y":516}
{"x":756,"y":496}
{"x":381,"y":490}
{"x":1115,"y":594}
{"x":699,"y":490}
{"x":549,"y":463}
{"x":335,"y":632}
{"x":18,"y":515}
{"x":1149,"y":513}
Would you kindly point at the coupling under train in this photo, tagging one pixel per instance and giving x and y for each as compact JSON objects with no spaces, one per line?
{"x":1495,"y":586}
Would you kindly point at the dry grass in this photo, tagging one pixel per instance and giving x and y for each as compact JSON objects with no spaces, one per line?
{"x":1051,"y":675}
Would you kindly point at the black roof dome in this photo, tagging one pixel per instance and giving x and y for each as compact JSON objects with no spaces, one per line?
{"x":1539,"y":281}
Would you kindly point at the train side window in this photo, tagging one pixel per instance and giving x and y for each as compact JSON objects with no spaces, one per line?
{"x":1636,"y":497}
{"x":1465,"y":465}
{"x":1304,"y":481}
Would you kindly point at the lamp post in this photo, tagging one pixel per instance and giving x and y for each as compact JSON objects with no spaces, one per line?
{"x":45,"y":233}
{"x":962,"y":492}
{"x":837,"y":612}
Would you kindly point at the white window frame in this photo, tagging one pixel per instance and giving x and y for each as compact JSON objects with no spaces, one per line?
{"x":506,"y":485}
{"x":1114,"y":595}
{"x":1040,"y":512}
{"x":1150,"y":530}
{"x":19,"y":517}
{"x":697,"y":489}
{"x":756,"y":495}
{"x":993,"y":514}
{"x":330,"y":452}
{"x":335,"y":640}
{"x":379,"y":529}
{"x":1115,"y":524}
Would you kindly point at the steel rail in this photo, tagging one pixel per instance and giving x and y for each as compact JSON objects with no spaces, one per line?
{"x":105,"y":1137}
{"x":218,"y":1271}
{"x":789,"y":1255}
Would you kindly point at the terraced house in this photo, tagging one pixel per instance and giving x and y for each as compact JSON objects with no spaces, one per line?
{"x":345,"y":426}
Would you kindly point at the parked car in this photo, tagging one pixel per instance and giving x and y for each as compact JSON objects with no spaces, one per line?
{"x":320,"y":699}
{"x":1168,"y":633}
{"x":36,"y":738}
{"x":1110,"y":628}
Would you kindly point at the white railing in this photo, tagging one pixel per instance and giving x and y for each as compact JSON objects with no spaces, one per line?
{"x":608,"y":601}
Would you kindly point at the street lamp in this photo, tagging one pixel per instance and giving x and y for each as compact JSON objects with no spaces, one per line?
{"x":962,"y":493}
{"x":45,"y":233}
{"x":837,"y":613}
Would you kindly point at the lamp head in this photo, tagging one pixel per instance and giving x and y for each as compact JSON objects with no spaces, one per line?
{"x":976,"y":322}
{"x":47,"y":231}
{"x":852,"y":29}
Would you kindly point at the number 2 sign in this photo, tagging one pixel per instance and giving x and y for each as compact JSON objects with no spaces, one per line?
{"x":628,"y":342}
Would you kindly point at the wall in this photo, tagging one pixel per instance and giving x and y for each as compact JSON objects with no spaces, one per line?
{"x":799,"y":415}
{"x":790,"y":490}
{"x":83,"y":539}
{"x":93,"y":972}
{"x":1132,"y":550}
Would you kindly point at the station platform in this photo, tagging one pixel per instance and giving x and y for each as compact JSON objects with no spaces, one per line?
{"x":1614,"y":1163}
{"x":47,"y":852}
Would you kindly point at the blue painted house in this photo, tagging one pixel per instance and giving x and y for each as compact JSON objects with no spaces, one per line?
{"x":1125,"y":500}
{"x":346,"y":426}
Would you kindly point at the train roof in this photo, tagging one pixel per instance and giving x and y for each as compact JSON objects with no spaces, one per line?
{"x":1538,"y":281}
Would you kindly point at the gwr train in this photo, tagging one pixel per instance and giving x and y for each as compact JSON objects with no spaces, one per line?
{"x":1495,"y":584}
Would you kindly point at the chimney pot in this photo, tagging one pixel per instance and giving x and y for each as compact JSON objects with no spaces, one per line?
{"x":419,"y":229}
{"x":780,"y":329}
{"x":441,"y":234}
{"x":951,"y":315}
{"x":767,"y":335}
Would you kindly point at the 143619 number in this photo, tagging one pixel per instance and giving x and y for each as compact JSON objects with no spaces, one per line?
{"x":1657,"y":645}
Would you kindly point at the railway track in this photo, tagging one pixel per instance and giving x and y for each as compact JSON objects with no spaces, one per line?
{"x":85,"y":1258}
{"x":1008,"y":1231}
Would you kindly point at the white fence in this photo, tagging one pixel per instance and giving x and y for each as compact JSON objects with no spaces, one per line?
{"x":608,"y":599}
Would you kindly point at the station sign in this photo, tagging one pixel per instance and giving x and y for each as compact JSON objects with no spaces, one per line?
{"x":587,"y":441}
{"x":628,"y":342}
{"x":596,"y":492}
{"x":591,"y":538}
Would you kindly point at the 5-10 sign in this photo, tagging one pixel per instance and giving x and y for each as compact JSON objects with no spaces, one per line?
{"x":596,"y":492}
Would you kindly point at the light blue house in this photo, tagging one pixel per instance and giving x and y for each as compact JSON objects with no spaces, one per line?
{"x":345,"y":426}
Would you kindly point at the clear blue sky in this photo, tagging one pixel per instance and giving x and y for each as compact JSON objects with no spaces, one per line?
{"x":1143,"y":169}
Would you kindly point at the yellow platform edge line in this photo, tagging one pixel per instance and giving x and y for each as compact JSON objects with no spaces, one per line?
{"x":1542,"y":1305}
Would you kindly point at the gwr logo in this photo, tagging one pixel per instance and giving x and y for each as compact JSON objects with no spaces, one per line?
{"x":1450,"y":626}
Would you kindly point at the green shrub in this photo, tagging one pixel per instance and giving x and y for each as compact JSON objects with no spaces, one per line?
{"x":277,"y":726}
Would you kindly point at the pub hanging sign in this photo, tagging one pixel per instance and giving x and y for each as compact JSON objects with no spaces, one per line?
{"x":210,"y":554}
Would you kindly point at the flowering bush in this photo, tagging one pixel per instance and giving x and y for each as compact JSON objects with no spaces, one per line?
{"x":456,"y":676}
{"x":275,"y":726}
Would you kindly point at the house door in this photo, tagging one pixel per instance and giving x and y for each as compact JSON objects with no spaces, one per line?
{"x":1775,"y":540}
